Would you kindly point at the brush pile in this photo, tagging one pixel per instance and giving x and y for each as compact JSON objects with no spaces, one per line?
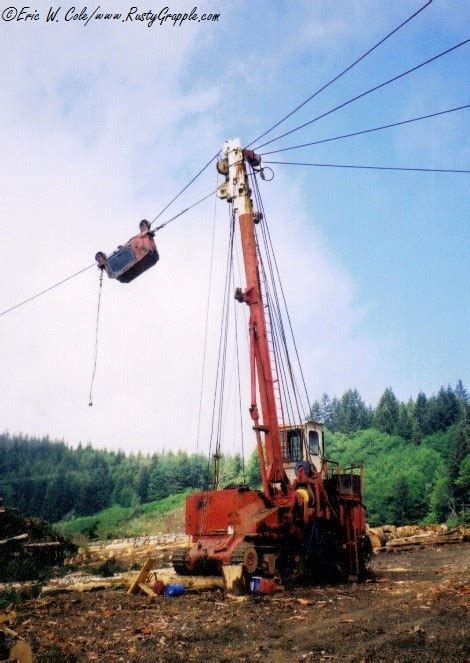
{"x":29,"y":547}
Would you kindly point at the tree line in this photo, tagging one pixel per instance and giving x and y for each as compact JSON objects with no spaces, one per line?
{"x":413,"y":420}
{"x":416,"y":456}
{"x":51,"y":480}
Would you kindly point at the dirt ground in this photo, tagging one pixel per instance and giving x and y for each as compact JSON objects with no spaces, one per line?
{"x":415,"y":608}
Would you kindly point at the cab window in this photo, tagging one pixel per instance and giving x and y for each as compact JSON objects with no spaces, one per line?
{"x":294,"y":444}
{"x":314,"y":442}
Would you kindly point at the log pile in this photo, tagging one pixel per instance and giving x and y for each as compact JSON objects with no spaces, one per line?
{"x":28,"y":545}
{"x":128,"y":552}
{"x":390,"y":538}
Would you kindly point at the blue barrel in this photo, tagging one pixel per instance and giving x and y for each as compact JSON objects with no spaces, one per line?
{"x":174,"y":590}
{"x":255,"y":584}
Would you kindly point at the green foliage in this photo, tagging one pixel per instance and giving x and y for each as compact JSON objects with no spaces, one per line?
{"x":459,"y":461}
{"x":50,"y":480}
{"x":416,"y":458}
{"x":403,"y":506}
{"x":253,"y":474}
{"x":118,"y":521}
{"x":399,"y":476}
{"x":441,"y":498}
{"x":443,"y":410}
{"x":463,"y":480}
{"x":109,"y":568}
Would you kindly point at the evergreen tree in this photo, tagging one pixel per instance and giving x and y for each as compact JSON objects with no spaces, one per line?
{"x":461,"y":392}
{"x":420,"y":418}
{"x":387,"y":413}
{"x":316,"y":412}
{"x":143,"y":484}
{"x":158,"y":484}
{"x":444,"y":410}
{"x":59,"y":498}
{"x":333,"y":421}
{"x":322,"y":410}
{"x":353,"y":413}
{"x":405,"y":422}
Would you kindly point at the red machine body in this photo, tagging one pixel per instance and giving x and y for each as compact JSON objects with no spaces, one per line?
{"x":309,"y":517}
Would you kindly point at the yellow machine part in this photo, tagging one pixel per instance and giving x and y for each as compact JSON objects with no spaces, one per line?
{"x":304,"y":494}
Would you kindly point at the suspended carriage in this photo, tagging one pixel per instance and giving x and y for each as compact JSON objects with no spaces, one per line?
{"x":133,"y":258}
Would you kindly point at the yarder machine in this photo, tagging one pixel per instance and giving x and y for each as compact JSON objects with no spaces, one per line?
{"x":309,"y":518}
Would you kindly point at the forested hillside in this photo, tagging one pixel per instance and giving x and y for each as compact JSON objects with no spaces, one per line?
{"x":416,"y":456}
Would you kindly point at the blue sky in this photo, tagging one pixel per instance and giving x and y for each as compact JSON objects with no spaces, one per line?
{"x":102,"y":124}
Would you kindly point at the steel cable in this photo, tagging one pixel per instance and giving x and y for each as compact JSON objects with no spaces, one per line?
{"x":344,"y":71}
{"x":363,"y":94}
{"x":206,"y":326}
{"x":365,"y":131}
{"x":193,"y":179}
{"x":343,"y":165}
{"x":72,"y":276}
{"x":43,"y":292}
{"x":95,"y":356}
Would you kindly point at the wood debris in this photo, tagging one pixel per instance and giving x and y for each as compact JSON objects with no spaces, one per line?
{"x":390,"y":537}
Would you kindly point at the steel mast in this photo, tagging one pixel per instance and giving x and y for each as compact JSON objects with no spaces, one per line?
{"x":237,"y":191}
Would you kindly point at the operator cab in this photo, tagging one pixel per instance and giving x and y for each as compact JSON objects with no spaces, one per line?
{"x":133,"y":258}
{"x":301,"y":442}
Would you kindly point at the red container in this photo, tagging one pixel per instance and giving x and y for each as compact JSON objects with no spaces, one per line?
{"x":267,"y":586}
{"x":158,"y":587}
{"x":262,"y":585}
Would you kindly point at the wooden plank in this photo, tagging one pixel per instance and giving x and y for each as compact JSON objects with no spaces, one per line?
{"x":145,"y":588}
{"x":142,"y":576}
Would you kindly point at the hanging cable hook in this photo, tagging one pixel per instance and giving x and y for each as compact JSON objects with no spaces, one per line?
{"x":263,"y":171}
{"x":90,"y":401}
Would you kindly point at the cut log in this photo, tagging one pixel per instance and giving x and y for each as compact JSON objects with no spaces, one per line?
{"x":14,"y":539}
{"x":433,"y":540}
{"x":234,"y":576}
{"x":193,"y":583}
{"x":93,"y":586}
